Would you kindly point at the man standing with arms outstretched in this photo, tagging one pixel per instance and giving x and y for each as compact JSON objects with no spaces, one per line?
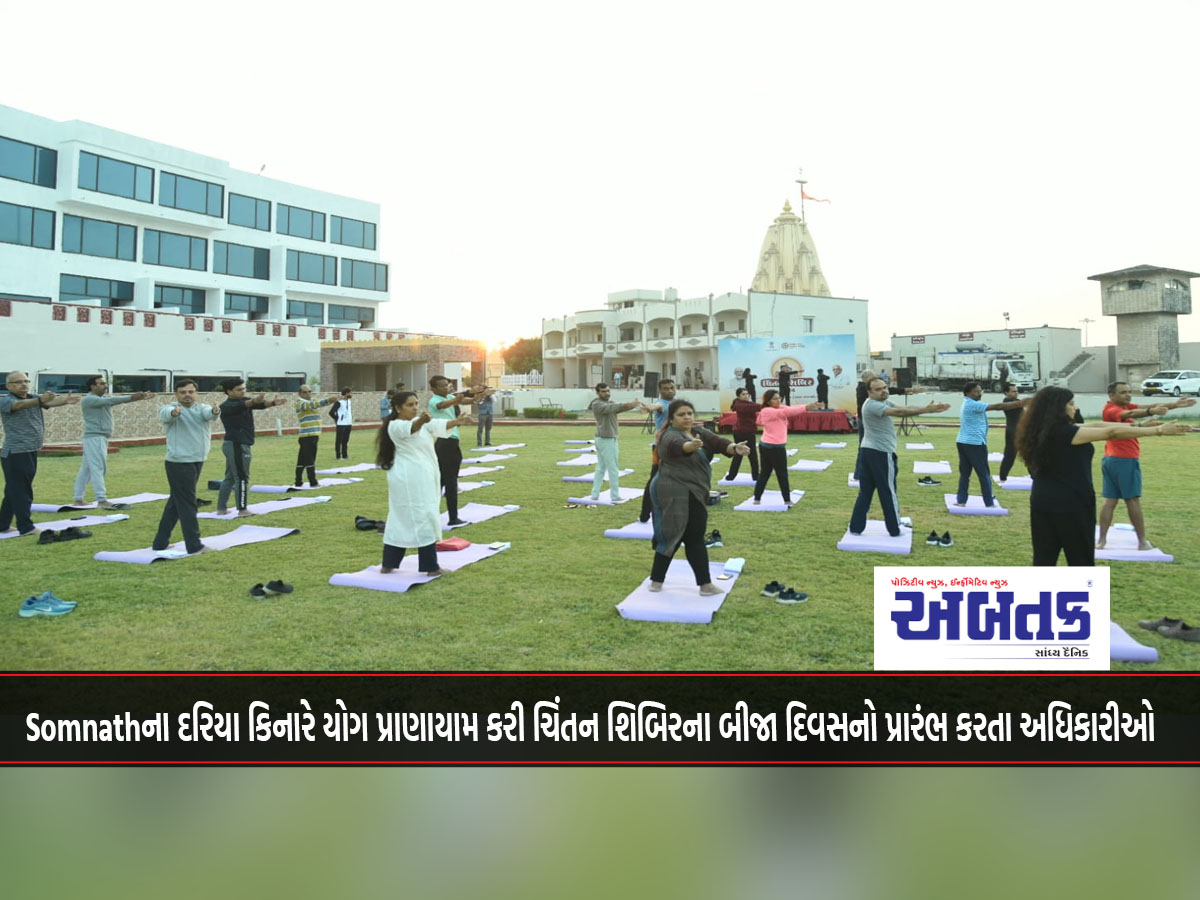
{"x":1121,"y":465}
{"x":607,"y":453}
{"x":237,"y":417}
{"x":96,"y":408}
{"x":188,"y":440}
{"x":309,"y":416}
{"x":24,"y":433}
{"x":443,"y":405}
{"x":658,"y":409}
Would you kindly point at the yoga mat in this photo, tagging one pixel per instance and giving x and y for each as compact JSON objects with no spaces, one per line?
{"x":500,"y":447}
{"x":493,"y":457}
{"x":852,"y":481}
{"x":343,"y":470}
{"x":580,"y":442}
{"x":974,"y":507}
{"x":875,"y":539}
{"x":635,"y":530}
{"x":77,"y":522}
{"x":811,"y":465}
{"x":590,"y":460}
{"x":912,"y":445}
{"x":288,"y":488}
{"x":626,"y":494}
{"x":1123,"y":647}
{"x":474,"y":513}
{"x":464,"y":486}
{"x":245,"y":534}
{"x":589,"y":478}
{"x":580,"y":450}
{"x":478,"y":470}
{"x":69,"y":507}
{"x":679,"y":600}
{"x":928,"y":467}
{"x":830,"y":445}
{"x":1015,"y":482}
{"x":267,"y":506}
{"x":1121,"y":546}
{"x":995,"y":457}
{"x":772,"y":501}
{"x":406,"y":575}
{"x":741,"y":478}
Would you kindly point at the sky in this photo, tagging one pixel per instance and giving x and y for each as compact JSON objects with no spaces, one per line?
{"x":532,"y":157}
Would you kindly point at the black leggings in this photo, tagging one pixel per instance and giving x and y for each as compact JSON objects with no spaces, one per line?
{"x":693,"y":542}
{"x":426,"y":557}
{"x":772,"y":459}
{"x":1010,"y":454}
{"x":341,"y":442}
{"x":751,"y":438}
{"x":306,"y":459}
{"x":1071,"y":532}
{"x":449,"y":457}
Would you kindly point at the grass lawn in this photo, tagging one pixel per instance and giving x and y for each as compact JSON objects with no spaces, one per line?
{"x":547,"y":603}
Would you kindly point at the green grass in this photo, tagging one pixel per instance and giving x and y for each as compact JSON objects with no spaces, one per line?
{"x":548,"y":602}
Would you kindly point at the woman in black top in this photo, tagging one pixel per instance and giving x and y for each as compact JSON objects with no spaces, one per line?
{"x":1058,"y":454}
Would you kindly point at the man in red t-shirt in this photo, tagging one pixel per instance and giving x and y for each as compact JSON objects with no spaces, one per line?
{"x":1120,"y":467}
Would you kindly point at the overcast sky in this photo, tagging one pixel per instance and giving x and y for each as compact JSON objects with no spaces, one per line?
{"x":531,"y":157}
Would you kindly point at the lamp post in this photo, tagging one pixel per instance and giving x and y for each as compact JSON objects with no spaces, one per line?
{"x":1086,"y":322}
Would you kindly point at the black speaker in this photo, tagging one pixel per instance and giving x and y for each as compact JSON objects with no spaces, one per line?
{"x":650,"y":388}
{"x":904,"y":379}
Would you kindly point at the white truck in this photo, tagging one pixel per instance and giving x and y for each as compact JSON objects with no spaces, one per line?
{"x":952,"y":370}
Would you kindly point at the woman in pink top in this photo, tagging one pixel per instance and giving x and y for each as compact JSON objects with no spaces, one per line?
{"x":772,"y":449}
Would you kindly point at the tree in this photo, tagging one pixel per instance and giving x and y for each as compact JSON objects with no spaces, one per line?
{"x":522,"y":355}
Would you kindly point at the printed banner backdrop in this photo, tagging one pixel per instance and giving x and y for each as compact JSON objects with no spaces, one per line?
{"x":803,"y":355}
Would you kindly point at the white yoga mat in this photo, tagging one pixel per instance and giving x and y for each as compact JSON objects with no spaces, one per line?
{"x":590,"y":477}
{"x":830,"y":445}
{"x":1015,"y":482}
{"x":69,"y":507}
{"x":742,"y":477}
{"x":580,"y":450}
{"x":498,"y":447}
{"x":643,"y":531}
{"x":679,"y":600}
{"x":1123,"y":647}
{"x":267,"y":506}
{"x":995,"y":457}
{"x":77,"y":522}
{"x":407,"y":575}
{"x":918,"y":445}
{"x":289,"y":488}
{"x":245,"y":534}
{"x":625,"y":493}
{"x":929,"y":467}
{"x":474,"y":513}
{"x":772,"y":501}
{"x":811,"y":465}
{"x":580,"y":442}
{"x":588,"y":460}
{"x":493,"y":457}
{"x":464,"y":486}
{"x":1121,"y":545}
{"x":974,"y":507}
{"x":875,"y":539}
{"x":343,"y":470}
{"x":478,"y":470}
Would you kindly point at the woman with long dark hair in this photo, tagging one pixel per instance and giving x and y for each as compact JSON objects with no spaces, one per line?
{"x":1058,"y":454}
{"x":404,"y":449}
{"x":745,"y":431}
{"x":772,"y":449}
{"x":679,"y":493}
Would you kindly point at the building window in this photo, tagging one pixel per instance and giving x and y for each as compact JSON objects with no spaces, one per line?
{"x":27,"y":162}
{"x":741,"y":324}
{"x":128,"y":384}
{"x":687,"y":330}
{"x":311,"y":267}
{"x":720,"y":326}
{"x":187,"y":300}
{"x":181,"y":192}
{"x":80,"y":288}
{"x":297,"y":222}
{"x":111,"y":176}
{"x":809,"y":323}
{"x":351,"y":232}
{"x":205,"y":384}
{"x":162,"y":248}
{"x":238,"y":259}
{"x":704,"y":328}
{"x":360,"y":316}
{"x":255,"y":307}
{"x":26,"y":226}
{"x":92,"y":237}
{"x":310,"y":313}
{"x":656,"y":332}
{"x":364,"y":275}
{"x":279,"y":385}
{"x":249,"y":212}
{"x":627,"y":334}
{"x":63,"y":382}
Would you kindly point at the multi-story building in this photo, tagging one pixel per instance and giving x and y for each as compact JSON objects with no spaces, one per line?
{"x":142,"y":260}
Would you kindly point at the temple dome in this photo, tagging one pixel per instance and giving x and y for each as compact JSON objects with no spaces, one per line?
{"x":788,"y":263}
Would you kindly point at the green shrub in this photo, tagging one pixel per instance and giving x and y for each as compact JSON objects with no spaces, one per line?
{"x":511,"y":412}
{"x":542,"y":412}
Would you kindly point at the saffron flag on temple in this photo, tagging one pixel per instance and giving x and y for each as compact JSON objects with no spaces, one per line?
{"x":813,"y":199}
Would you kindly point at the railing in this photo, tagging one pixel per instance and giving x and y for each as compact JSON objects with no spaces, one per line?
{"x":533,"y":379}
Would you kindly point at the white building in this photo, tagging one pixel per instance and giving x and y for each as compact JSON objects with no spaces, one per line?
{"x":639,"y":332}
{"x":124,"y":255}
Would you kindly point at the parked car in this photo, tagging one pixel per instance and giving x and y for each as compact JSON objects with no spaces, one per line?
{"x":1174,"y":382}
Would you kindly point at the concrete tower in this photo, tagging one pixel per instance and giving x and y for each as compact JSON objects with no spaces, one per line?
{"x":788,"y":262}
{"x":1146,"y":301}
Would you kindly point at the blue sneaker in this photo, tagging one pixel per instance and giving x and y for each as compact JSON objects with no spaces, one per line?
{"x":36,"y":606}
{"x":57,"y":601}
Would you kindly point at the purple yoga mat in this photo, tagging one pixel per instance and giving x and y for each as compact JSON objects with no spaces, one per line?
{"x":679,"y":600}
{"x":246,"y":534}
{"x":407,"y":575}
{"x":875,"y":539}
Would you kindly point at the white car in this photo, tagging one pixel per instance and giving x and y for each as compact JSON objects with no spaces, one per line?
{"x":1173,"y":381}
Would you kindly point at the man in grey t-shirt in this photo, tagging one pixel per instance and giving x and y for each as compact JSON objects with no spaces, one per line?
{"x":24,"y":432}
{"x":96,"y":408}
{"x":607,"y":458}
{"x":877,"y":457}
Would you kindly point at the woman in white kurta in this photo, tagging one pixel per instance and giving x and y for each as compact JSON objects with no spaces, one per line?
{"x":405,"y":449}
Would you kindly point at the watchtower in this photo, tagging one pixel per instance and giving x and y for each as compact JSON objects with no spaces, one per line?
{"x":1147,"y":300}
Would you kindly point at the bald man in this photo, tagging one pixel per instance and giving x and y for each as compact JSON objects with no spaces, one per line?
{"x":24,"y":434}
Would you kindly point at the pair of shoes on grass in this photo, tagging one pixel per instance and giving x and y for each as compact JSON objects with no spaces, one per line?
{"x":713,"y":539}
{"x":46,"y":604}
{"x":1172,"y":628}
{"x":362,"y":523}
{"x":270,"y":589}
{"x":782,"y":594}
{"x":50,"y":536}
{"x":944,"y":541}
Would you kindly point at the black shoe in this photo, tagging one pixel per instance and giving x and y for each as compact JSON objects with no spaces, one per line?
{"x":946,"y":540}
{"x":927,"y":481}
{"x":199,"y":549}
{"x":214,"y":485}
{"x":274,"y":588}
{"x":933,"y":540}
{"x":456,"y":522}
{"x":787,"y":595}
{"x":73,"y":534}
{"x":200,"y":502}
{"x":312,"y":484}
{"x":643,"y":519}
{"x":772,"y":589}
{"x":48,"y":536}
{"x":713,"y":539}
{"x":362,"y":523}
{"x":258,"y":592}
